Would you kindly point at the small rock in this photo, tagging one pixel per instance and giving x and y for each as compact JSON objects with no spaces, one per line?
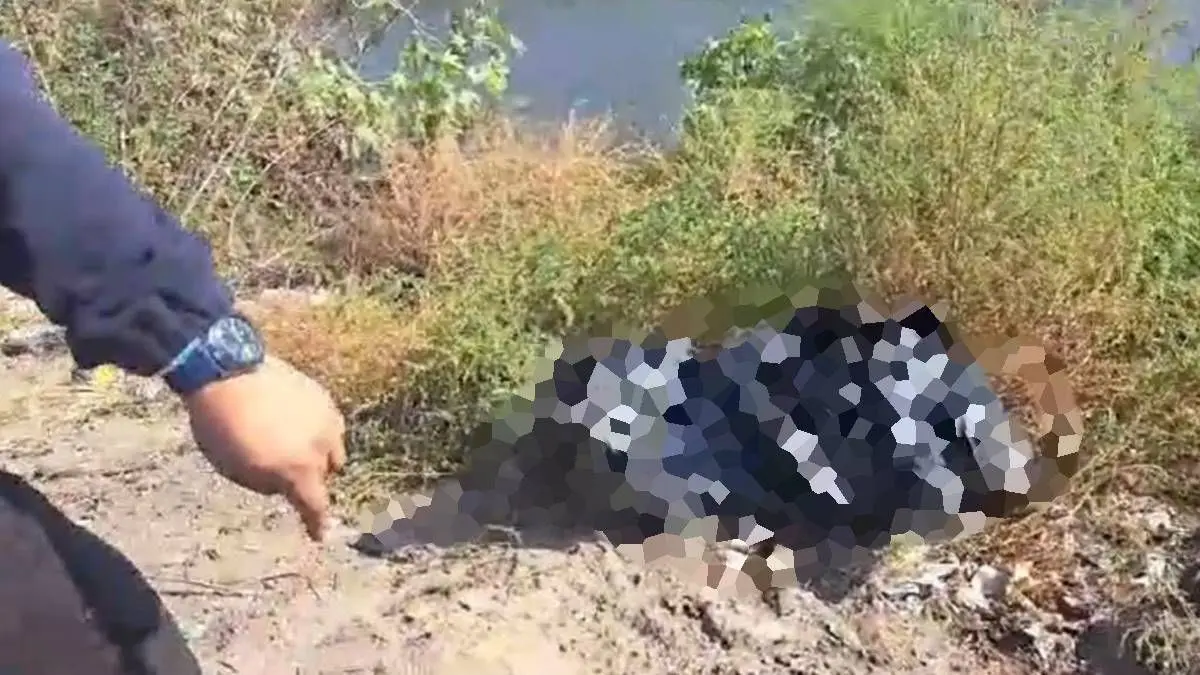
{"x":1159,"y":522}
{"x":1156,"y":571}
{"x":1044,"y":642}
{"x":931,"y":578}
{"x":935,"y":575}
{"x":903,"y":590}
{"x":42,"y":340}
{"x":1073,"y":608}
{"x":986,"y":586}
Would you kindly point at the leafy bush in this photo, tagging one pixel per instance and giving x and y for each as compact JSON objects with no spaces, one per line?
{"x":437,"y":87}
{"x":1034,"y":168}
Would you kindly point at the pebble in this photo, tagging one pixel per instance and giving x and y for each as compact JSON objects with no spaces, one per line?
{"x":988,"y":585}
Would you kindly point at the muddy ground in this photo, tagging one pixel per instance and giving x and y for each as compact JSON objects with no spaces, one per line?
{"x":255,"y":597}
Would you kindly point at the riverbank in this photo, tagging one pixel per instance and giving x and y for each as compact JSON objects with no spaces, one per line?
{"x":1030,"y":170}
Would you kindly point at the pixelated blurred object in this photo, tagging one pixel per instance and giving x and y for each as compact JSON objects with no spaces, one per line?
{"x":824,"y":422}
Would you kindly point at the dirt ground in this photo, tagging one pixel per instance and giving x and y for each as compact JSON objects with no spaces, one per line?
{"x":255,"y":597}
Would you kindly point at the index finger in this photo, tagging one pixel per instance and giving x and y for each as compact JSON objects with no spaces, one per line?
{"x":337,"y":449}
{"x":309,"y":496}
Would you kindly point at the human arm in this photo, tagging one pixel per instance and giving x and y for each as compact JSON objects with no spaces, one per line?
{"x":131,"y":287}
{"x":134,"y":289}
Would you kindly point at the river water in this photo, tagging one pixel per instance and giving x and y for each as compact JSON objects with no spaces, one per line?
{"x":588,"y":57}
{"x":621,"y":57}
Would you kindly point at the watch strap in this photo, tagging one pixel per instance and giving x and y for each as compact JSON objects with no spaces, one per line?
{"x":201,"y":363}
{"x":194,"y":368}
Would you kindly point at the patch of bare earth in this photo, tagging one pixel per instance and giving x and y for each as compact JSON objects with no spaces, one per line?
{"x":255,"y":597}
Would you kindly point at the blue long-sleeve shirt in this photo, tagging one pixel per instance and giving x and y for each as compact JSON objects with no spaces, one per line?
{"x":129,"y":284}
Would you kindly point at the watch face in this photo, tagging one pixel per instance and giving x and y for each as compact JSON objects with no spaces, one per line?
{"x":235,"y":344}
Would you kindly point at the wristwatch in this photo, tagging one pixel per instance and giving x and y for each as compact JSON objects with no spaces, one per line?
{"x":231,"y":346}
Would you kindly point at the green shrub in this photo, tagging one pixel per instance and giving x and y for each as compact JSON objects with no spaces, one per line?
{"x":1034,"y":168}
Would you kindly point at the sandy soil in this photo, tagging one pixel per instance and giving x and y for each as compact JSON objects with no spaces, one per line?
{"x":255,"y":597}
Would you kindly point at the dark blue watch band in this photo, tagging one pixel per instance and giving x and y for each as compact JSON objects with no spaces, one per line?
{"x":194,"y":368}
{"x":229,"y":347}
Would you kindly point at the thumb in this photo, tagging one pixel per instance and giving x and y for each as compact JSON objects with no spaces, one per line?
{"x":309,"y":496}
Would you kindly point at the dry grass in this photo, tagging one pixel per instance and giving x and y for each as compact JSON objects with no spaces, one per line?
{"x":496,"y":184}
{"x":201,"y":101}
{"x":356,"y":345}
{"x":444,"y":209}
